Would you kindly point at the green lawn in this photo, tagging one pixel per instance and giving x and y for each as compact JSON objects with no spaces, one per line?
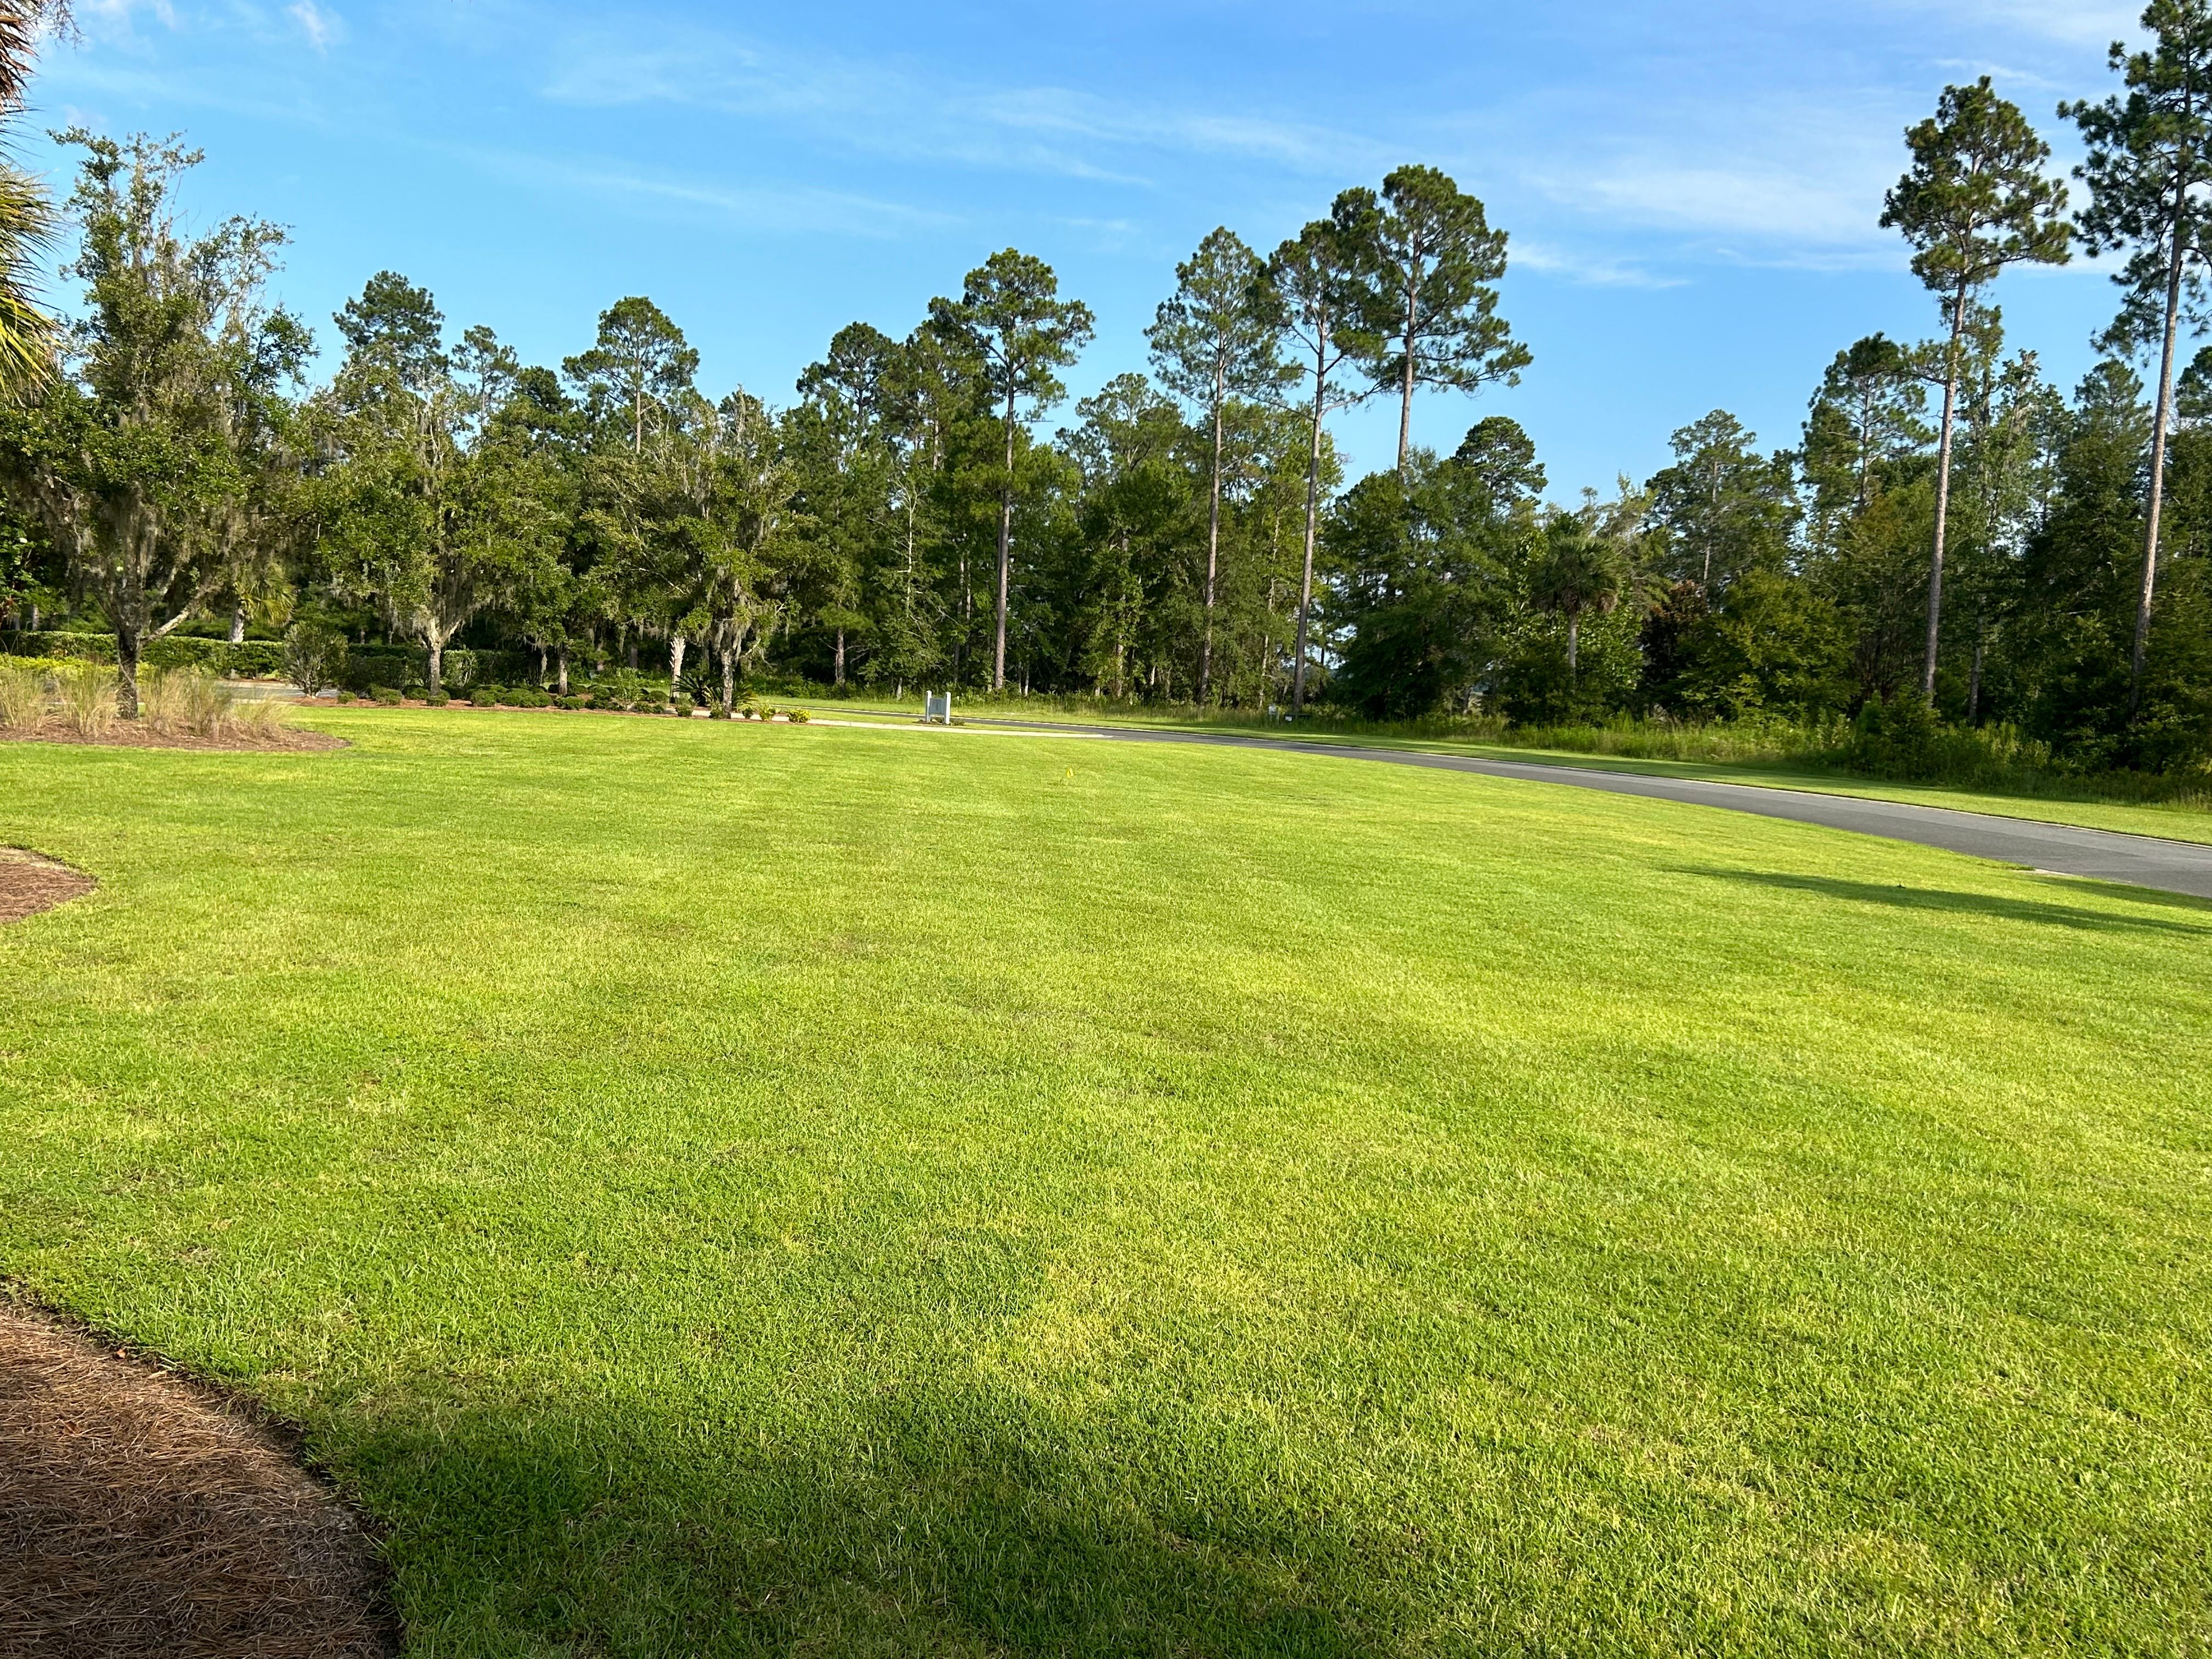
{"x":2171,"y":821}
{"x":726,"y":1189}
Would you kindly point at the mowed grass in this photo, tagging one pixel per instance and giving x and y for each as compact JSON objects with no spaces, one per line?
{"x":2075,"y":802}
{"x":728,"y":1189}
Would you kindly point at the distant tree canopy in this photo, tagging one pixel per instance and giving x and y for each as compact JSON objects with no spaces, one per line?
{"x":1947,"y":524}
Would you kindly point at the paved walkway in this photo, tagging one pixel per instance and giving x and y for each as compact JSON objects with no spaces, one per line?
{"x":2172,"y":866}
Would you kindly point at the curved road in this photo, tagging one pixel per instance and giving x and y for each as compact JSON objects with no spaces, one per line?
{"x":2172,"y":866}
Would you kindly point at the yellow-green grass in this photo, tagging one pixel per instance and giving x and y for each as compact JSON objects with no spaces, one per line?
{"x":2180,"y":820}
{"x":723,"y":1188}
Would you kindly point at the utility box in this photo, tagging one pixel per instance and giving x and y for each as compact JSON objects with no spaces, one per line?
{"x":936,"y":709}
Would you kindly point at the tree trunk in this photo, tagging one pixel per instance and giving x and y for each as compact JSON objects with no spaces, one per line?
{"x":541,"y":667}
{"x":1974,"y":678}
{"x":560,"y":662}
{"x":729,"y":682}
{"x":1574,"y":646}
{"x":237,"y":624}
{"x":435,"y":649}
{"x":126,"y":671}
{"x":1005,"y":549}
{"x":1213,"y":541}
{"x":2159,"y":420}
{"x":840,"y":680}
{"x":1313,"y":504}
{"x":1405,"y":387}
{"x":1943,"y":497}
{"x":676,"y":643}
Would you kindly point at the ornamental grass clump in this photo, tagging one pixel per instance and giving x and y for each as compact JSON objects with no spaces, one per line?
{"x":184,"y":702}
{"x":260,"y":718}
{"x":23,"y":698}
{"x":88,"y":698}
{"x":187,"y":701}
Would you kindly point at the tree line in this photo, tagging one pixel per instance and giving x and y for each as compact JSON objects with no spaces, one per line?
{"x":1948,"y":527}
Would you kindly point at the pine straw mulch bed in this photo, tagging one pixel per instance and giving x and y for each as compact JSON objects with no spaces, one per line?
{"x":29,"y":883}
{"x":143,"y":1513}
{"x":137,"y":735}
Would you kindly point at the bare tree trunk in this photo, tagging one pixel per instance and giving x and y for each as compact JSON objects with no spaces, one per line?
{"x":1213,"y":542}
{"x":1943,"y":497}
{"x":561,"y":661}
{"x":676,"y":643}
{"x":729,"y":681}
{"x":1313,"y":503}
{"x":1574,"y":645}
{"x":1974,"y":678}
{"x":435,"y":649}
{"x":841,"y":657}
{"x":1005,"y":549}
{"x":541,"y":666}
{"x":1406,"y":385}
{"x":126,"y":671}
{"x":2159,"y":420}
{"x":237,"y":624}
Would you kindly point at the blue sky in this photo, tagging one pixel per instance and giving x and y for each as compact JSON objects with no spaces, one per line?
{"x":1692,"y":189}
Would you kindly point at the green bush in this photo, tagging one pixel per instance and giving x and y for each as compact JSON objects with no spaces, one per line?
{"x":385,"y":694}
{"x":572,"y":702}
{"x":623,"y":688}
{"x":249,"y":659}
{"x":314,"y":655}
{"x":436,"y":699}
{"x":484,"y":696}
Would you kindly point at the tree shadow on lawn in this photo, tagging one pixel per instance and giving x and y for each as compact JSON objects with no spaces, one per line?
{"x":1983,"y":904}
{"x":966,"y":1524}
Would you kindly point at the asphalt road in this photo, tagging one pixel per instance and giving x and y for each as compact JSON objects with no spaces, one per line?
{"x":2172,"y":866}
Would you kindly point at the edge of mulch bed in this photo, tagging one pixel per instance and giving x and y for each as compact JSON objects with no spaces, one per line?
{"x":146,"y":1511}
{"x":31,"y":882}
{"x":136,"y":734}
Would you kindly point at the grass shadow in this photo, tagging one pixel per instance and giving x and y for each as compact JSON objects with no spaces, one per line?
{"x":1944,"y":900}
{"x":961,"y":1524}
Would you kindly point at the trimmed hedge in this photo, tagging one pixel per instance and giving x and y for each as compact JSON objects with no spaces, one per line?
{"x":365,"y":665}
{"x":250,"y":660}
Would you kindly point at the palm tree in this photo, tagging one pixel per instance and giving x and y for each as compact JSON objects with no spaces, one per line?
{"x":26,"y":217}
{"x":1580,"y":568}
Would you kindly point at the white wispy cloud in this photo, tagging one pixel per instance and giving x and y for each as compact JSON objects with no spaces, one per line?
{"x":885,"y":109}
{"x":323,"y":27}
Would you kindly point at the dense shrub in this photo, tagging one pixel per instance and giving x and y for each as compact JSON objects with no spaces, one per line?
{"x":385,"y":694}
{"x":249,"y":659}
{"x":436,"y":699}
{"x":314,"y":655}
{"x":484,"y":696}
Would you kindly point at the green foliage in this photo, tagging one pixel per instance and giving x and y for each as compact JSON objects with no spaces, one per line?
{"x":248,"y":660}
{"x":314,"y":655}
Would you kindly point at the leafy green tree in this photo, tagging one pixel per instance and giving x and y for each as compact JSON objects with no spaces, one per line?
{"x":1434,"y":318}
{"x":1010,"y":316}
{"x":1975,"y":200}
{"x":147,"y":466}
{"x":639,"y":363}
{"x":1214,"y":342}
{"x":430,"y":508}
{"x":2150,"y":175}
{"x":1865,"y":419}
{"x":1319,"y":290}
{"x":1582,"y":566}
{"x":1722,"y":508}
{"x":1422,"y":560}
